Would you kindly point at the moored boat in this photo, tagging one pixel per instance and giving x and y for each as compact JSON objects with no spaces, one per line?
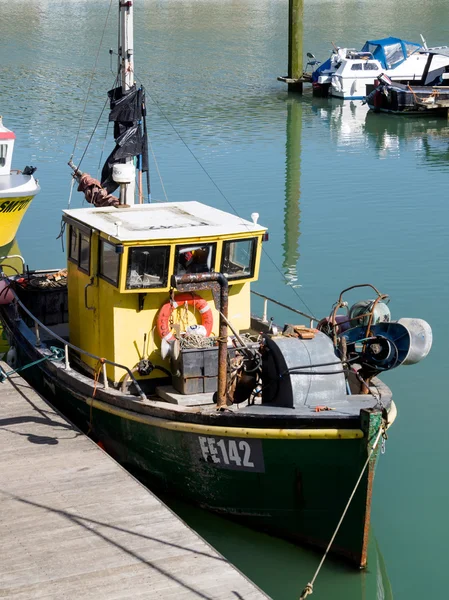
{"x":17,"y":188}
{"x":148,"y":341}
{"x":350,"y":74}
{"x":400,"y":99}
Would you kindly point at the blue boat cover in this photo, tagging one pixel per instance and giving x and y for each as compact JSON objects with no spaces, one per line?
{"x":390,"y":52}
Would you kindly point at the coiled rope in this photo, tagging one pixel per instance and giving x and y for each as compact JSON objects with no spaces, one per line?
{"x":308,"y":590}
{"x":193,"y":340}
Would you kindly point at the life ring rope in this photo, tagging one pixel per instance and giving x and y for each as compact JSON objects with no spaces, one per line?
{"x":165,"y":312}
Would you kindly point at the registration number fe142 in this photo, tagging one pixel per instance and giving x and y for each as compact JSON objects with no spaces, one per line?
{"x":232,"y":453}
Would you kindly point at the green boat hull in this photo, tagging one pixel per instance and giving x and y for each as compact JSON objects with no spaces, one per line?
{"x":293,"y":488}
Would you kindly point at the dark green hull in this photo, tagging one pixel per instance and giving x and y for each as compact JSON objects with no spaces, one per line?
{"x":293,"y":488}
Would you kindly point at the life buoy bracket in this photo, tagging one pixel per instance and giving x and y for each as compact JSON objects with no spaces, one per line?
{"x":164,"y":314}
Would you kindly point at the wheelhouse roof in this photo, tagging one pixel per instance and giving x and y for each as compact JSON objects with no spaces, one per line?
{"x":161,"y":221}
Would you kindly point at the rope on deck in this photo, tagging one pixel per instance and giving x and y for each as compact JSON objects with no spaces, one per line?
{"x":56,"y":355}
{"x":308,"y":590}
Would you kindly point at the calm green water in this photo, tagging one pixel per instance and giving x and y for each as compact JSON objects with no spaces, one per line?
{"x":349,"y":198}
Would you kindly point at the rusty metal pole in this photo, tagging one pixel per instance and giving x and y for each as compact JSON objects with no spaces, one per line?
{"x":223,"y":344}
{"x":295,"y":39}
{"x":201,"y":281}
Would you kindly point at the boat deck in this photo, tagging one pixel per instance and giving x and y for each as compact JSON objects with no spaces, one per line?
{"x":74,"y":524}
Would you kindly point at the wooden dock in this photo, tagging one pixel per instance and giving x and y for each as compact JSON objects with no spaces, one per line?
{"x":74,"y":524}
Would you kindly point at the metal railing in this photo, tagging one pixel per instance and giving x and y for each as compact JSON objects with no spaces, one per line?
{"x":38,"y":325}
{"x":267,"y":299}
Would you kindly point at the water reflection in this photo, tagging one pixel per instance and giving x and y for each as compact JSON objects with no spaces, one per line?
{"x":284,"y":562}
{"x":292,"y":210}
{"x":14,"y":264}
{"x":9,"y":266}
{"x":353,"y":127}
{"x":345,"y":120}
{"x":426,"y":136}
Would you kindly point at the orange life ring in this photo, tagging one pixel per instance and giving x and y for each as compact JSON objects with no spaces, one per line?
{"x":164,"y":314}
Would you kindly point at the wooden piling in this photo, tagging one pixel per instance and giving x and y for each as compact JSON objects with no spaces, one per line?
{"x":296,"y":76}
{"x":295,"y":42}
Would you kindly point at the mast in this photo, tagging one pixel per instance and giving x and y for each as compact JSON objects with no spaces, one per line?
{"x":126,"y":44}
{"x":126,"y":57}
{"x":128,"y":113}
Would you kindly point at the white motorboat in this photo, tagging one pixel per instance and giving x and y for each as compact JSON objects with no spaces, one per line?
{"x":350,"y":74}
{"x":17,"y":189}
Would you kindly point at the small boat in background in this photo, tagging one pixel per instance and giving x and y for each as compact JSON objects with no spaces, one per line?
{"x":17,"y":188}
{"x":400,"y":99}
{"x":351,"y":74}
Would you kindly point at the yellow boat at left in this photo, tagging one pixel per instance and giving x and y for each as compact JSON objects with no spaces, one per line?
{"x":17,"y":188}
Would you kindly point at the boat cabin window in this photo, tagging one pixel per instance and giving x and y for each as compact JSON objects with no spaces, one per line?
{"x":79,"y":251}
{"x":195,"y":258}
{"x":238,"y":258}
{"x":411,"y":48}
{"x":356,"y":67}
{"x":393,"y":55}
{"x":147,"y":267}
{"x":3,"y":153}
{"x":369,"y":66}
{"x":73,"y":250}
{"x":84,"y":252}
{"x":109,"y":262}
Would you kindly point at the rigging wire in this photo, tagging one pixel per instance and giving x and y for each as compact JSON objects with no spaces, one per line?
{"x":157,"y":169}
{"x":225,"y":198}
{"x":90,"y":86}
{"x":100,"y":160}
{"x":92,"y":134}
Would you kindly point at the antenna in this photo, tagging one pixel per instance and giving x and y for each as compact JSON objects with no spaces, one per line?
{"x":424,"y":43}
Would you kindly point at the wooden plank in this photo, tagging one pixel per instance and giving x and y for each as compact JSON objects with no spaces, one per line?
{"x":74,"y":524}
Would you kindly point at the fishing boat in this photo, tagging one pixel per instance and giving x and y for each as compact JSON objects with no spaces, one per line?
{"x":400,"y":99}
{"x":147,"y":339}
{"x":17,"y":188}
{"x":350,"y":74}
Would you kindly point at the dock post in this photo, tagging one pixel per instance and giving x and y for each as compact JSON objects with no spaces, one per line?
{"x":295,"y":79}
{"x":295,"y":39}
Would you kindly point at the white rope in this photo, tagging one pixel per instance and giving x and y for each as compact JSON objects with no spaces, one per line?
{"x":308,"y":590}
{"x":71,"y":192}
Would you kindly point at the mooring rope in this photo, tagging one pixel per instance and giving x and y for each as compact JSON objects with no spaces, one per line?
{"x":308,"y":590}
{"x":57,"y":354}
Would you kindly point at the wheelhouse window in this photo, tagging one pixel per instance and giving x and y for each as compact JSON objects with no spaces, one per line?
{"x":109,"y":262}
{"x":79,"y":250}
{"x":147,"y":267}
{"x":238,"y":258}
{"x":195,"y":258}
{"x":84,"y":261}
{"x":356,"y":67}
{"x":3,"y":154}
{"x":74,"y":245}
{"x":369,"y":66}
